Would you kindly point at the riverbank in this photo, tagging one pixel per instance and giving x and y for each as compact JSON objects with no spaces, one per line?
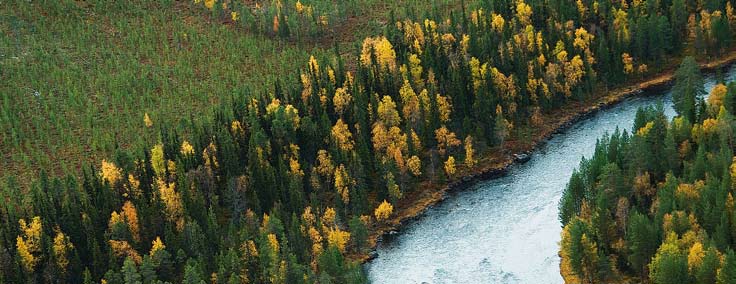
{"x":517,"y":149}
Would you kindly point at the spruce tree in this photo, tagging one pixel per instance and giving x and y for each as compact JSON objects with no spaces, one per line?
{"x":688,"y":88}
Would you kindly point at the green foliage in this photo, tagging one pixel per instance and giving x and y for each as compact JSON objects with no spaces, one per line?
{"x":359,"y":233}
{"x":252,"y":190}
{"x":688,"y":88}
{"x":728,"y":272}
{"x":583,"y":253}
{"x":130,"y":272}
{"x":673,"y":204}
{"x":192,"y":273}
{"x":79,"y":77}
{"x":572,"y":197}
{"x":708,"y":269}
{"x":642,"y":239}
{"x":669,"y":266}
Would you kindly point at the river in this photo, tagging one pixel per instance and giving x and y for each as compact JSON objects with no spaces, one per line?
{"x":505,"y":230}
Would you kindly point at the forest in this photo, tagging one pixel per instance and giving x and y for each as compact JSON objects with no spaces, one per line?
{"x":288,"y":181}
{"x":656,"y":203}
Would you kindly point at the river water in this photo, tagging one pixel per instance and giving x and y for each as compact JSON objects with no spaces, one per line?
{"x":505,"y":230}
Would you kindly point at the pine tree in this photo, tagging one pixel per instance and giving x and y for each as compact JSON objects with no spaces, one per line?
{"x":643,"y":241}
{"x":130,"y":272}
{"x":720,"y":29}
{"x":688,"y":88}
{"x":148,"y":270}
{"x":678,"y":18}
{"x":192,"y":273}
{"x":359,"y":233}
{"x":572,"y":198}
{"x":727,"y":274}
{"x":709,"y":265}
{"x":581,"y":250}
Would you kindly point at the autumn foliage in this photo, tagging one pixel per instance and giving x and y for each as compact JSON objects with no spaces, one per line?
{"x":284,"y":183}
{"x":648,"y":206}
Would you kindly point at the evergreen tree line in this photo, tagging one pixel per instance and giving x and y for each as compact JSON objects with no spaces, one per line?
{"x":657,"y":204}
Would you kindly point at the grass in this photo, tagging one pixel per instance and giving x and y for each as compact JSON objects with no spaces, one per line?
{"x":79,"y":77}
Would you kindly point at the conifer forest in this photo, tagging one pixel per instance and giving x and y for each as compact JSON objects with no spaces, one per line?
{"x":368,"y":141}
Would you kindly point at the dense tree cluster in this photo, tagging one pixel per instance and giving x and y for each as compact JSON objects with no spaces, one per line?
{"x":279,"y":187}
{"x":657,"y":204}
